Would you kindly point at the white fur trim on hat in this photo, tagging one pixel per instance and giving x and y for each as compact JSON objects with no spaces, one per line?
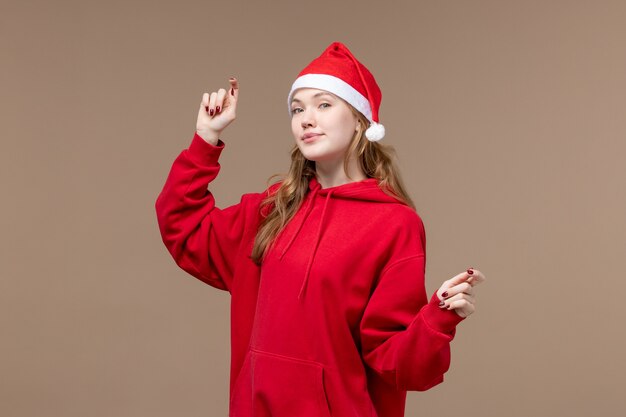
{"x":336,"y":86}
{"x":375,"y":132}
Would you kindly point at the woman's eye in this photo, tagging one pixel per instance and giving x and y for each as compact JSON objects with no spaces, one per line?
{"x":297,"y":109}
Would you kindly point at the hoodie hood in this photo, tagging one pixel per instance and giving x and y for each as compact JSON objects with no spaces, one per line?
{"x":365,"y":190}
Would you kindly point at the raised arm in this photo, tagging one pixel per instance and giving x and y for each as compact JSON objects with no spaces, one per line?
{"x":202,"y":238}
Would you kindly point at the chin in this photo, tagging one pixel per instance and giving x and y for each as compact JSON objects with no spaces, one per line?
{"x":316,"y":154}
{"x":311,"y":156}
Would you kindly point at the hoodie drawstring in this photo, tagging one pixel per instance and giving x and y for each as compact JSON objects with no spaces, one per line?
{"x":308,"y":209}
{"x":317,"y":241}
{"x":365,"y":190}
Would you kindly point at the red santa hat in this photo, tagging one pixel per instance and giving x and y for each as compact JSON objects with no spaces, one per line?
{"x":337,"y":71}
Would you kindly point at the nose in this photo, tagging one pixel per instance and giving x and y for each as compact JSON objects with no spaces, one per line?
{"x":307,"y":118}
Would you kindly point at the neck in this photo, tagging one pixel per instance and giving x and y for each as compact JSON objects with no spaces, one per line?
{"x":332,"y":174}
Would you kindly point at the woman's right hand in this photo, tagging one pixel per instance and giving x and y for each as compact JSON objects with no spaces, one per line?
{"x":217,"y":111}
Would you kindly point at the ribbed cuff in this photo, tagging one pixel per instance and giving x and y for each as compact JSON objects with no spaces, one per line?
{"x":203,"y":152}
{"x":440,"y":319}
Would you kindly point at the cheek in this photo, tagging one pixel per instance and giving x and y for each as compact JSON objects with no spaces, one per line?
{"x":295,"y":128}
{"x":348,"y":125}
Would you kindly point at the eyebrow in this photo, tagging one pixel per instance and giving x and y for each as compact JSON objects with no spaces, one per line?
{"x":322,"y":93}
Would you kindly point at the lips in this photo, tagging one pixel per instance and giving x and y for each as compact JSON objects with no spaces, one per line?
{"x":310,"y":136}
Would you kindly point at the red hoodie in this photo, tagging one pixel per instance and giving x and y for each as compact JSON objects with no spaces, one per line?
{"x":336,"y":321}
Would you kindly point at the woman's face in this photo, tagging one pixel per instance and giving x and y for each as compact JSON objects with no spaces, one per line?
{"x":328,"y":118}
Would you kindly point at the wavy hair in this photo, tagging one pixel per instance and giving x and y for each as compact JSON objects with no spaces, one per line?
{"x":375,"y":159}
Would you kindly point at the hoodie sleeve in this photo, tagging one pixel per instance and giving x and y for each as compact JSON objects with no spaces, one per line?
{"x":202,"y":238}
{"x":405,"y":338}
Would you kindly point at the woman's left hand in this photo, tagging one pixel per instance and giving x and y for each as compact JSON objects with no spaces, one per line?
{"x":457,"y":293}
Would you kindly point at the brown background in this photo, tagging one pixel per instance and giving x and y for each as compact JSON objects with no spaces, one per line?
{"x":509,"y":119}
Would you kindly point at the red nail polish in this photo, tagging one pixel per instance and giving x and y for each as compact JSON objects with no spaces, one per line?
{"x":232,"y":91}
{"x":469,"y":271}
{"x":211,"y":112}
{"x":207,"y":108}
{"x":445,"y":294}
{"x":217,"y":110}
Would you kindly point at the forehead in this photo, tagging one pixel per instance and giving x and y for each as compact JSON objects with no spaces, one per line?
{"x":310,"y":93}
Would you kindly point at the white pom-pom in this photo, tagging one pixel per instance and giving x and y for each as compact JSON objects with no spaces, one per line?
{"x":375,"y":132}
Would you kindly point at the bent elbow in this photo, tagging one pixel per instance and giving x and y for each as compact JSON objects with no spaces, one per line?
{"x":425,"y":386}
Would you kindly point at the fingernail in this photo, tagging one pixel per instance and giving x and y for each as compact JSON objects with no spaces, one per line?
{"x":207,"y":108}
{"x":445,"y":294}
{"x":469,"y":271}
{"x":217,"y":110}
{"x":441,"y":304}
{"x":211,"y":112}
{"x":232,"y":91}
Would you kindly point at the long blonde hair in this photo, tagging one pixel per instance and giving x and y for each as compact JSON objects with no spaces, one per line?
{"x":375,"y":159}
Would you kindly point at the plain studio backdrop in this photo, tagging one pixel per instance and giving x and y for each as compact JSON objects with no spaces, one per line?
{"x":509,"y":121}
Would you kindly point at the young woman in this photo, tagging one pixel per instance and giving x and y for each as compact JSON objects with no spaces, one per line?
{"x":325,"y":268}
